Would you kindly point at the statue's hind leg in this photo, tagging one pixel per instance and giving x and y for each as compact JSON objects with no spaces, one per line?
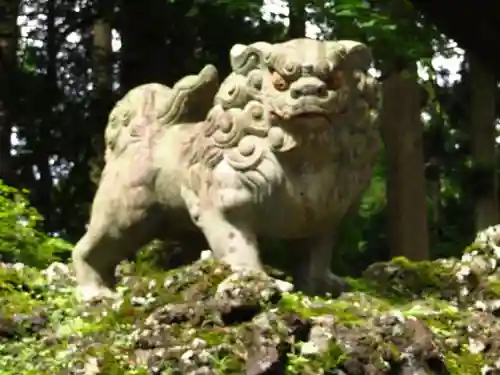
{"x":121,"y":222}
{"x":312,"y":273}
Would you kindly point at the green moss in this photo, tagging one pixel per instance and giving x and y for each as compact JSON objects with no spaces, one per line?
{"x":425,"y":276}
{"x":464,"y":362}
{"x":228,"y":362}
{"x":21,"y":290}
{"x":404,"y":279}
{"x":76,"y":334}
{"x":361,"y":285}
{"x":330,"y":360}
{"x":347,"y":310}
{"x":489,"y":290}
{"x":69,"y":332}
{"x":473,"y":248}
{"x":392,"y":350}
{"x":178,"y":285}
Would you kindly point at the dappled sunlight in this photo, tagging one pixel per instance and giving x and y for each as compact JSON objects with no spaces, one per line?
{"x":185,"y":188}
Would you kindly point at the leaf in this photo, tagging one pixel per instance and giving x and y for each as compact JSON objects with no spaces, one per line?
{"x":390,"y":27}
{"x":368,"y":24}
{"x":193,"y":12}
{"x":345,"y":13}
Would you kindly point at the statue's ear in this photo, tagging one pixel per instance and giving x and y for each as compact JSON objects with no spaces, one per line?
{"x":357,"y":55}
{"x":245,"y":58}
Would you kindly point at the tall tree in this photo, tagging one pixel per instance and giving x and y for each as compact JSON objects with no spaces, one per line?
{"x":9,"y":10}
{"x":297,"y":19}
{"x":43,"y":148}
{"x":102,"y":79}
{"x":402,"y":133}
{"x":406,"y":195}
{"x":483,"y":87}
{"x":144,"y":53}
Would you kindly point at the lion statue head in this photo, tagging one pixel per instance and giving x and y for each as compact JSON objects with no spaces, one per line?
{"x":304,"y":83}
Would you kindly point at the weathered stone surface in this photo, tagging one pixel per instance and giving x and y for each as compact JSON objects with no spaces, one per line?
{"x":281,"y":149}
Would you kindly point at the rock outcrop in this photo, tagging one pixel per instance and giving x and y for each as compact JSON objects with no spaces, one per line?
{"x":437,"y":317}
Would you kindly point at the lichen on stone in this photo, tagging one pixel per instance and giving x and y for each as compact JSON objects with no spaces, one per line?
{"x":435,"y":317}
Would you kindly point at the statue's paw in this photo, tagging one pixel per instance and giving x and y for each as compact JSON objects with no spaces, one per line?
{"x":206,"y":255}
{"x":95,"y":293}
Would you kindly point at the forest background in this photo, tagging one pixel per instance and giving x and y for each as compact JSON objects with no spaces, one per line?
{"x":63,"y":65}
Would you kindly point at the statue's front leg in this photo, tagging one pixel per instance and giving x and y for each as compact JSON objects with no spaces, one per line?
{"x":224,"y":217}
{"x":312,"y":273}
{"x":231,"y":239}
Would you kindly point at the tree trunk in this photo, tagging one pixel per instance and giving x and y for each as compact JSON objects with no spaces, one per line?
{"x":402,"y":132}
{"x":42,"y":150}
{"x":8,"y":67}
{"x":102,"y":69}
{"x":483,"y":116}
{"x":145,"y":55}
{"x":297,"y":19}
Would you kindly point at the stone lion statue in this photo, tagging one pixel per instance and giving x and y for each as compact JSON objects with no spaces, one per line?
{"x":282,"y":148}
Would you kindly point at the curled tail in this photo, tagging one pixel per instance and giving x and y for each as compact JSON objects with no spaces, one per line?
{"x":152,"y":107}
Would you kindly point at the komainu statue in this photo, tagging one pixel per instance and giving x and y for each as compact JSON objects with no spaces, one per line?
{"x":282,"y":148}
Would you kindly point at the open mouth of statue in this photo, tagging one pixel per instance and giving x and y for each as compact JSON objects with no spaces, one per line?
{"x":306,"y":115}
{"x":310,"y":115}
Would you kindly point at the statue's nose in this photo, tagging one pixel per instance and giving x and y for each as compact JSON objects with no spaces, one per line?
{"x":308,"y":86}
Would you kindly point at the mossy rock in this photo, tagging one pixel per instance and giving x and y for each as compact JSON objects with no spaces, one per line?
{"x":401,"y":278}
{"x":473,"y":277}
{"x":401,"y":318}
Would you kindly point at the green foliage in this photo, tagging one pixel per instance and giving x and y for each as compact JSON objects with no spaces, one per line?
{"x":151,"y":256}
{"x":362,"y":238}
{"x":383,"y":25}
{"x":57,"y":304}
{"x":299,"y":364}
{"x":20,"y":241}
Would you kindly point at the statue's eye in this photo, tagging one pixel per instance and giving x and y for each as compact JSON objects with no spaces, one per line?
{"x":323,"y":69}
{"x":336,"y":79}
{"x":279,"y":82}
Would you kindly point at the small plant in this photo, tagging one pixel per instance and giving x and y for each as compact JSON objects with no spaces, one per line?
{"x":20,"y":241}
{"x":318,"y":363}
